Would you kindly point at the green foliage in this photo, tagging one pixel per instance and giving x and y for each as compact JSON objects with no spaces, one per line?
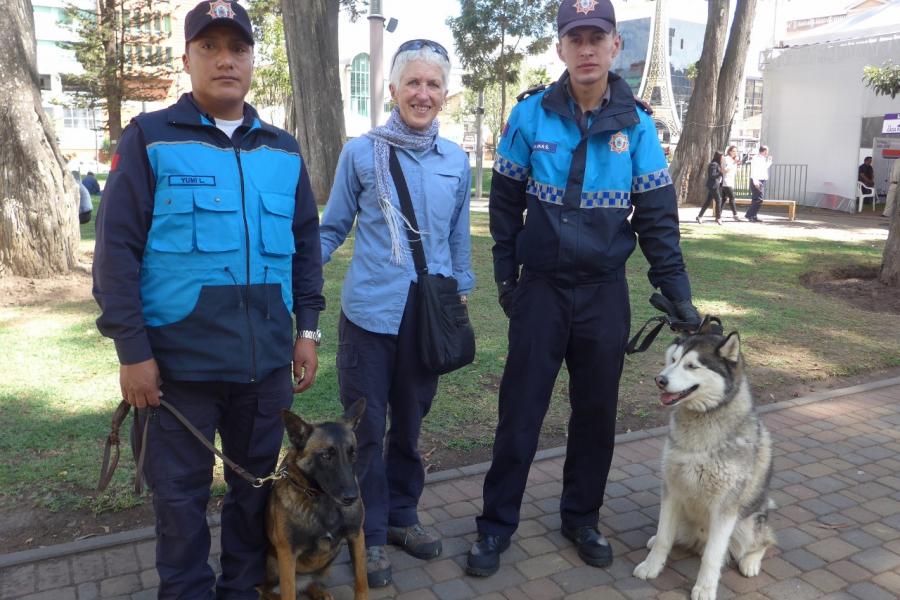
{"x":123,"y":48}
{"x":493,"y":102}
{"x":494,"y":36}
{"x":884,"y":80}
{"x":692,"y":70}
{"x":271,"y":85}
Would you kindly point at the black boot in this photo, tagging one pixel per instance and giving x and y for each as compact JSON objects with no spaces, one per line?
{"x":484,"y":557}
{"x":592,"y":546}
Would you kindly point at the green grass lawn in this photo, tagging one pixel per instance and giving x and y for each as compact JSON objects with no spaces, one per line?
{"x":61,"y":386}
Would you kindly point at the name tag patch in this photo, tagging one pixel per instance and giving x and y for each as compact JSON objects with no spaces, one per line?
{"x":544,"y":147}
{"x":175,"y":180}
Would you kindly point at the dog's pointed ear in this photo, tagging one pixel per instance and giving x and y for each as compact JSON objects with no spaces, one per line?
{"x":353,"y":414}
{"x":298,"y":430}
{"x":730,"y":349}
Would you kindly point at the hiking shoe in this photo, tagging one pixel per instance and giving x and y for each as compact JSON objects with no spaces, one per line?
{"x":378,"y":567}
{"x":415,"y":541}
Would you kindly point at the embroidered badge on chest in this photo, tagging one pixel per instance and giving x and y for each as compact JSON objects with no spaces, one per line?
{"x":585,"y":7}
{"x":618,"y":143}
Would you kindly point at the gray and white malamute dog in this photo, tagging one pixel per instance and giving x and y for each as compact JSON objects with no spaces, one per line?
{"x":716,"y":463}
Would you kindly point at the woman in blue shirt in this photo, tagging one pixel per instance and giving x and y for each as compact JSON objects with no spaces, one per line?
{"x":377,"y":357}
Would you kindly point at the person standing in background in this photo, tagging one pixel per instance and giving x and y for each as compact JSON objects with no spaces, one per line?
{"x":730,"y":164}
{"x":759,"y":175}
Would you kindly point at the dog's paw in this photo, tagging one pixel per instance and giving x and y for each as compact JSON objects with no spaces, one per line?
{"x":648,"y":569}
{"x":650,"y":542}
{"x":704,"y":591}
{"x":750,"y":565}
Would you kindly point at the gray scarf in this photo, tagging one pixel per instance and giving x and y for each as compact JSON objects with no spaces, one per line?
{"x":398,"y":134}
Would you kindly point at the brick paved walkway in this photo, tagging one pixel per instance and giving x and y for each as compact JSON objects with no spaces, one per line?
{"x":837,"y":484}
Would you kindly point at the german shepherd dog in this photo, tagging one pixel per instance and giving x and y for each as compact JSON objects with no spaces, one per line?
{"x":716,"y":463}
{"x":315,"y":507}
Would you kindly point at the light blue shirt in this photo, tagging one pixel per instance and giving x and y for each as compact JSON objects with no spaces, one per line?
{"x":375,"y":289}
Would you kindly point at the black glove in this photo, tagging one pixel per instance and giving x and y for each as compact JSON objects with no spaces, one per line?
{"x":505,"y":291}
{"x":687,"y":313}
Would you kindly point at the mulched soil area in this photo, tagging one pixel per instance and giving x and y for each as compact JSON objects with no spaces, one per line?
{"x":856,"y":285}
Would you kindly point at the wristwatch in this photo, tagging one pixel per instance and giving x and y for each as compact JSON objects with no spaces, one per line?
{"x":309,"y":334}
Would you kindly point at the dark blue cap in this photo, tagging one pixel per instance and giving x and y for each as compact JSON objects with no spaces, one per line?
{"x":585,"y":13}
{"x":217,"y":12}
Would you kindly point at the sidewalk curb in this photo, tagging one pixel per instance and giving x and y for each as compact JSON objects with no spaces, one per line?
{"x":148,"y":533}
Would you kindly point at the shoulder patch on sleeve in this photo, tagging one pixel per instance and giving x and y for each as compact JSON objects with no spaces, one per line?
{"x":531,"y":91}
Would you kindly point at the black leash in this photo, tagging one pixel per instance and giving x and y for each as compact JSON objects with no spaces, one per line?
{"x":710,"y":325}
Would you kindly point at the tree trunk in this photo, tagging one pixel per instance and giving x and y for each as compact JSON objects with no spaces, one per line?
{"x":731,"y":75}
{"x":313,"y":59}
{"x":114,"y":71}
{"x":694,"y":150}
{"x":38,"y":223}
{"x":890,"y":265}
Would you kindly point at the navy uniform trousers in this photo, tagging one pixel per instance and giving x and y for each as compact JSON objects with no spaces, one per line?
{"x":386,"y":370}
{"x":587,"y":327}
{"x":178,"y":469}
{"x":756,"y":199}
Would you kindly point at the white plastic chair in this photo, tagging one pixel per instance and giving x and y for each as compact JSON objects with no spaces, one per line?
{"x":862,"y":195}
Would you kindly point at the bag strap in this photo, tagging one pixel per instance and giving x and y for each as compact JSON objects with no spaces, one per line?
{"x":415,"y":238}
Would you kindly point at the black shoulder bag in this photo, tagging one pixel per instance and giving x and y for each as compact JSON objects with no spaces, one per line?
{"x":445,"y":335}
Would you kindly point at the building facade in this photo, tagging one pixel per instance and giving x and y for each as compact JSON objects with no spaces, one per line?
{"x":154,"y":35}
{"x":818,"y":111}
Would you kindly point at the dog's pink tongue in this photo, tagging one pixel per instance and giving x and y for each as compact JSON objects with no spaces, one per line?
{"x":668,"y":398}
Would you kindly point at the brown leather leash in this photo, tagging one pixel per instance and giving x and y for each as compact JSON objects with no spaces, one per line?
{"x":111,"y":450}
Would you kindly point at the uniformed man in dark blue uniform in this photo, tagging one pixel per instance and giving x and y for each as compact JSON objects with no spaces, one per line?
{"x":207,"y":240}
{"x":581,"y":157}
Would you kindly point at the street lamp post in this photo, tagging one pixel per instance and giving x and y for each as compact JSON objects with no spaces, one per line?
{"x":376,"y":61}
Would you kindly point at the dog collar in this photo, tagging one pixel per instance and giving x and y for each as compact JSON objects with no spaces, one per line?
{"x":312,"y":492}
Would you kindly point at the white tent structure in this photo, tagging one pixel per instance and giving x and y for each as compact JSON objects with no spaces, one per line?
{"x":816,"y":102}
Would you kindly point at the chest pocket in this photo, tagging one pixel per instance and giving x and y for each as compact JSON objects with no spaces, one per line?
{"x":217,"y":220}
{"x":208,"y":219}
{"x":440,"y":198}
{"x":276,"y":220}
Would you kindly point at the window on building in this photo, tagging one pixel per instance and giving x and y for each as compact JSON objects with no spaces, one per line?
{"x":45,"y":81}
{"x":79,"y":118}
{"x":359,"y":85}
{"x":753,"y":97}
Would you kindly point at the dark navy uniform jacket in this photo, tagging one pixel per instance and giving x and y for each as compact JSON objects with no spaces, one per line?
{"x":205,"y":245}
{"x":579,"y":187}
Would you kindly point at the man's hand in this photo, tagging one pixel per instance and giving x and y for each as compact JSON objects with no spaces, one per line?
{"x":505,"y":291}
{"x":305,"y":364}
{"x":140,"y":383}
{"x":687,"y":313}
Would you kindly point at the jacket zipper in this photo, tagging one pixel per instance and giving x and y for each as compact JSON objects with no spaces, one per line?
{"x":237,"y":155}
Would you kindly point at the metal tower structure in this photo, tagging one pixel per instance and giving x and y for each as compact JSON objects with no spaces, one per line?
{"x":656,"y":84}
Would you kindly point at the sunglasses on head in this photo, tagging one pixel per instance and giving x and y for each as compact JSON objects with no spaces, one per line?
{"x":413,"y":45}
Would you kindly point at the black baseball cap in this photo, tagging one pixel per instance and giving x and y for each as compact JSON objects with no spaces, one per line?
{"x":585,"y":13}
{"x":215,"y":12}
